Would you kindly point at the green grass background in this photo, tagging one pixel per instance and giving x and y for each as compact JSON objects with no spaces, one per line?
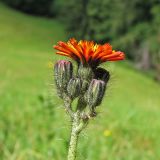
{"x":36,"y":129}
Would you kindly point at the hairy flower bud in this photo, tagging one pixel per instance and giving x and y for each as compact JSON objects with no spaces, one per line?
{"x":85,"y":85}
{"x":102,"y":74}
{"x":85,"y":72}
{"x":62,"y":73}
{"x":95,"y":93}
{"x":74,"y":87}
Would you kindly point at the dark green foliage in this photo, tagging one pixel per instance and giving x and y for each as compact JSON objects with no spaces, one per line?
{"x":106,"y":19}
{"x":74,"y":14}
{"x":38,"y":7}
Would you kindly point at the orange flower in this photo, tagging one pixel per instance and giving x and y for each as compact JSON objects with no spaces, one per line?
{"x":88,"y":52}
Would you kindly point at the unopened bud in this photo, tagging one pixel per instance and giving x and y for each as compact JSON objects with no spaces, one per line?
{"x":85,"y":85}
{"x":102,"y":74}
{"x":95,"y":92}
{"x":74,"y":88}
{"x":62,"y":73}
{"x":85,"y":72}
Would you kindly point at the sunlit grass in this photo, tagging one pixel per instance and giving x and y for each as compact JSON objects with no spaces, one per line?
{"x":33,"y":129}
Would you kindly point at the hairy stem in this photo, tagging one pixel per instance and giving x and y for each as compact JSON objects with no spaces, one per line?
{"x":73,"y":143}
{"x":67,"y":104}
{"x":77,"y":126}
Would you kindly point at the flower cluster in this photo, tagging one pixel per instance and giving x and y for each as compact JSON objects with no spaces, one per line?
{"x":89,"y":82}
{"x":88,"y":53}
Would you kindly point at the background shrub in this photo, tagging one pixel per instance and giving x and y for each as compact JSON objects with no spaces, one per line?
{"x":38,"y":7}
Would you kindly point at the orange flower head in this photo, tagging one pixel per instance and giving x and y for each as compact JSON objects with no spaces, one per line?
{"x":88,"y":52}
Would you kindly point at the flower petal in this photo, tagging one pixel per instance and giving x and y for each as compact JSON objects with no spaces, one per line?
{"x":88,"y":52}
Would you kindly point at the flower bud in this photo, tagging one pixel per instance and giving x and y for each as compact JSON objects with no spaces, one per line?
{"x":85,"y":85}
{"x":95,"y":92}
{"x":102,"y":74}
{"x":85,"y":72}
{"x":62,"y":73}
{"x":74,"y":88}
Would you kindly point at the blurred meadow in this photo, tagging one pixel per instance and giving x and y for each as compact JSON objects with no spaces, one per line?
{"x":33,"y":123}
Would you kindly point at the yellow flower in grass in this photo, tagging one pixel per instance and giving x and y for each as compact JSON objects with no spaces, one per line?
{"x":50,"y":64}
{"x":107,"y":133}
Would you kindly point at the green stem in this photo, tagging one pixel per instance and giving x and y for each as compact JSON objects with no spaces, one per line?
{"x":77,"y":126}
{"x":73,"y":143}
{"x":67,"y":104}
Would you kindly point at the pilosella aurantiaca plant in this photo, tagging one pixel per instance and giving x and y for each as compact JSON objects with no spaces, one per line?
{"x":88,"y":84}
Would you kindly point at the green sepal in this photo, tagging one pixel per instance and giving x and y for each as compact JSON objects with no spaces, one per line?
{"x":74,"y":87}
{"x":85,"y":72}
